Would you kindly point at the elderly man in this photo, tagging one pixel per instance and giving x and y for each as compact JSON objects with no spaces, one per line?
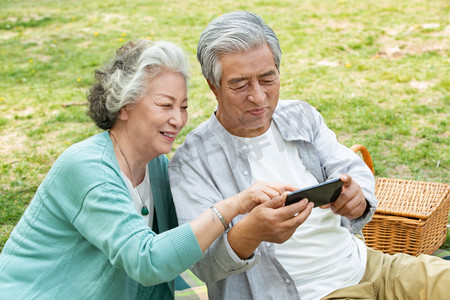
{"x":253,"y":136}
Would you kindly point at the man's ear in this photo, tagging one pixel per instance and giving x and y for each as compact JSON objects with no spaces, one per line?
{"x":212,"y":87}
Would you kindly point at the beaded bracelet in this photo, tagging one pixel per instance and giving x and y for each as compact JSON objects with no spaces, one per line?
{"x":219,"y":215}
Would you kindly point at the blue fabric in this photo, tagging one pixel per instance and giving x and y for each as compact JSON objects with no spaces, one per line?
{"x":81,"y":238}
{"x":181,"y":284}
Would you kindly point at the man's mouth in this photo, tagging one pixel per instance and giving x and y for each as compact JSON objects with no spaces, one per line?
{"x":257,"y":111}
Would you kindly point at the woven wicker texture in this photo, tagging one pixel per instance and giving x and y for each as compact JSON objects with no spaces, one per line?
{"x":409,"y":198}
{"x":411,"y":216}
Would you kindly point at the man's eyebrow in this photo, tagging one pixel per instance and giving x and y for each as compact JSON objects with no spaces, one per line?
{"x":237,"y":80}
{"x":269,"y":73}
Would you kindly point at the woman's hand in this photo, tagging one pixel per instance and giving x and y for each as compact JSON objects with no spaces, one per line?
{"x":271,"y":221}
{"x":208,"y":226}
{"x":258,"y":193}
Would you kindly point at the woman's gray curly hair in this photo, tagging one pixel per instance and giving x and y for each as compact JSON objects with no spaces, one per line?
{"x":124,"y":79}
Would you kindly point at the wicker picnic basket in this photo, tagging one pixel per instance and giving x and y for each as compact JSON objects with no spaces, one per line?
{"x":411,"y":216}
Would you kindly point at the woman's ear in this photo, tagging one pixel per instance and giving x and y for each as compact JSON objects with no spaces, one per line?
{"x":123,"y":113}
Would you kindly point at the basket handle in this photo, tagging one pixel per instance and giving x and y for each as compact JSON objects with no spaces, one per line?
{"x":365,"y":154}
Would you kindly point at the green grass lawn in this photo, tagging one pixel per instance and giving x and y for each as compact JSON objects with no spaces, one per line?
{"x":378,"y":71}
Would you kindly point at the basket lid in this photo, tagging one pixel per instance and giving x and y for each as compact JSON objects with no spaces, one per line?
{"x":409,"y":198}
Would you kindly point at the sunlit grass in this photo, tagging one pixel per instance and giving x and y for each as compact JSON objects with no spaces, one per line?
{"x":376,"y":70}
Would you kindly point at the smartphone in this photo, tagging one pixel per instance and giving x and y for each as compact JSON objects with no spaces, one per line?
{"x":320,"y":194}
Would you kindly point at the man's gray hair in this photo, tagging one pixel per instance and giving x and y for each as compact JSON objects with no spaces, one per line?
{"x":231,"y":33}
{"x":124,"y":79}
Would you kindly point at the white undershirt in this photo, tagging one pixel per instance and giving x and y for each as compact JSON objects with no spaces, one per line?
{"x":146,"y":193}
{"x":331,"y":258}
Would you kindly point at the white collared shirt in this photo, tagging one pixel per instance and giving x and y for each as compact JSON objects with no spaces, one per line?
{"x":321,"y":256}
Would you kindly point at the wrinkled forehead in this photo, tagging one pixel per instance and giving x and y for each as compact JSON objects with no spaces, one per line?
{"x":253,"y":63}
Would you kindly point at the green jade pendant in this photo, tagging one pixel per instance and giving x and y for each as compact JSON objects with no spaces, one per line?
{"x":144,"y":210}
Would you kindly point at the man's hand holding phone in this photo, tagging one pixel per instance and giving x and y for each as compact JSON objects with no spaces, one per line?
{"x":343,"y":196}
{"x":351,"y":202}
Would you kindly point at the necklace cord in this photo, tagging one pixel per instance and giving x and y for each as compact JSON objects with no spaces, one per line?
{"x":144,"y":209}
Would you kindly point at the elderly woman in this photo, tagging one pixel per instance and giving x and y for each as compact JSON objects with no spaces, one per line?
{"x":102,"y":224}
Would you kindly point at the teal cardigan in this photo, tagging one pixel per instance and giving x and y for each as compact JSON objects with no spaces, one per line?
{"x":81,"y":238}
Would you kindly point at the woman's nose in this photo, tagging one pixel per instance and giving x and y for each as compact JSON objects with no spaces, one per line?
{"x":176,"y":119}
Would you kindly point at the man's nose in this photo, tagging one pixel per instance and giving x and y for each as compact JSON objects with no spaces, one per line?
{"x":257,"y":94}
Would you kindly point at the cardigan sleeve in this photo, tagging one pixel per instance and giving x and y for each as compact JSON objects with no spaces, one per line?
{"x":106,"y":217}
{"x":109,"y":223}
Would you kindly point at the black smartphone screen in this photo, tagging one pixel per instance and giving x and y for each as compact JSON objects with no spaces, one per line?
{"x":320,"y":194}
